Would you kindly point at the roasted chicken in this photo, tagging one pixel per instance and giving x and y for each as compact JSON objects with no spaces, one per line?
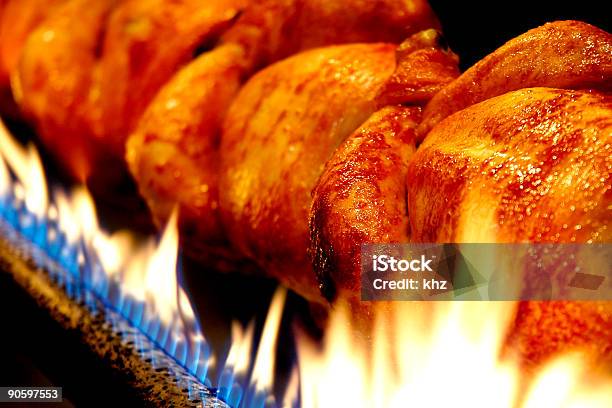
{"x":527,"y":165}
{"x":129,"y":68}
{"x":84,"y":72}
{"x":290,"y":132}
{"x":89,"y":69}
{"x":564,"y":54}
{"x":279,"y":132}
{"x":17,"y":20}
{"x":174,"y":151}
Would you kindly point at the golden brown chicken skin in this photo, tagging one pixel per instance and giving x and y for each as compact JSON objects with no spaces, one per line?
{"x":280,"y":130}
{"x":145,"y":44}
{"x":266,"y":32}
{"x":54,"y":79}
{"x":18,"y":18}
{"x":174,"y":152}
{"x":562,"y":54}
{"x":530,"y":165}
{"x":286,"y":123}
{"x":271,"y":30}
{"x":360,"y":198}
{"x":361,"y":195}
{"x":425,"y":65}
{"x":527,"y":166}
{"x":544,"y":329}
{"x":85,"y":85}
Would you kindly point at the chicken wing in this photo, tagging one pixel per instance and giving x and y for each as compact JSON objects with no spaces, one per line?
{"x":360,"y":197}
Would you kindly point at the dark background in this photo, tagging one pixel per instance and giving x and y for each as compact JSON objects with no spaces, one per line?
{"x":475,"y":28}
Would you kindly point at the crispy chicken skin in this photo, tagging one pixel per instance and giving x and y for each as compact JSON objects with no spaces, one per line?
{"x":145,"y":43}
{"x":91,"y":68}
{"x":360,"y":198}
{"x":86,"y":85}
{"x":180,"y":121}
{"x":562,"y":54}
{"x":280,"y":130}
{"x":425,"y":65}
{"x":18,"y":18}
{"x":54,"y":77}
{"x":273,"y":29}
{"x":543,"y":329}
{"x":361,"y":195}
{"x":287,"y":122}
{"x":295,"y":166}
{"x":528,"y":166}
{"x":173,"y":154}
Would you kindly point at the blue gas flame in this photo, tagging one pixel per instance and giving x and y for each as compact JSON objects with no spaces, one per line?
{"x":82,"y":275}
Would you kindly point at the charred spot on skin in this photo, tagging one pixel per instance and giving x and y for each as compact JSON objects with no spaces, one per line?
{"x":326,"y":285}
{"x":441,"y":42}
{"x":322,"y":256}
{"x":98,"y":49}
{"x":211,"y":41}
{"x":205,"y":46}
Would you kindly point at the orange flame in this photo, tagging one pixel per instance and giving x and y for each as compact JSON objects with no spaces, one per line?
{"x":146,"y":268}
{"x":26,"y":164}
{"x":263,"y":370}
{"x":434,"y":355}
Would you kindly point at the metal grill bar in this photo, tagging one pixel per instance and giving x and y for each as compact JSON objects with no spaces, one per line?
{"x":153,"y":374}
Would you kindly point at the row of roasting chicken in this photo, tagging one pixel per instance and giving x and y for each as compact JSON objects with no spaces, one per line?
{"x":290,"y":132}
